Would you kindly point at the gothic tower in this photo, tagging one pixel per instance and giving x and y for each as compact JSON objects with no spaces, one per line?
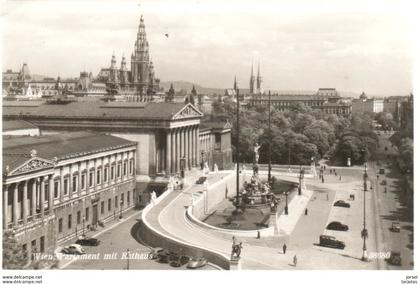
{"x":252,"y":81}
{"x":113,"y":71}
{"x":140,"y":62}
{"x":260,"y":89}
{"x":123,"y":73}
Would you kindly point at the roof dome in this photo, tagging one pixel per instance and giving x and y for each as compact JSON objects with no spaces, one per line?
{"x":363,"y":96}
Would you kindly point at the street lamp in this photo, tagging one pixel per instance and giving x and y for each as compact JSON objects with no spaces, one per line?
{"x":182,"y":163}
{"x":301,"y":175}
{"x":269,"y":138}
{"x":202,"y":159}
{"x":83,"y":223}
{"x":286,"y":208}
{"x":121,"y":204}
{"x":128,"y":259}
{"x":364,"y":230}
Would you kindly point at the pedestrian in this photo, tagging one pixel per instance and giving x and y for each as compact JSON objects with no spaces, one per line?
{"x":258,"y":234}
{"x":295,"y":260}
{"x":330,"y":171}
{"x":284,"y":248}
{"x":340,"y":177}
{"x":323,"y":179}
{"x":327,"y":196}
{"x":306,"y":211}
{"x":335,"y":173}
{"x":385,"y":189}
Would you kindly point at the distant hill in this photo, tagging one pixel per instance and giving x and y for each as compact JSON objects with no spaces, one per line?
{"x":179,"y":85}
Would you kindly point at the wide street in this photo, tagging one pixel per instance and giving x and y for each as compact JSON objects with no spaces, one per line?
{"x":381,"y":209}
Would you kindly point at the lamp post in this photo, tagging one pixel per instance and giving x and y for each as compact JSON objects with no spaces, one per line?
{"x":83,"y":224}
{"x":269,"y":138}
{"x":182,"y":163}
{"x":237,"y":210}
{"x":121,"y":204}
{"x":364,"y":230}
{"x":286,"y":208}
{"x":301,"y":175}
{"x":128,"y":259}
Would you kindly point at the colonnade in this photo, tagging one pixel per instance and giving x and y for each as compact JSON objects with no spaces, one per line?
{"x":30,"y":199}
{"x":181,"y":142}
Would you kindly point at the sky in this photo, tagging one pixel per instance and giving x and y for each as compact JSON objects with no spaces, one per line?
{"x":301,"y":45}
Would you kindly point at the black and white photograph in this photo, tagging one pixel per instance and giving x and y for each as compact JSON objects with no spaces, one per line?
{"x":207,"y":135}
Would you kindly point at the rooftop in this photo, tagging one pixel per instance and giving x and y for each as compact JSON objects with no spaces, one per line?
{"x":17,"y":125}
{"x":94,"y":109}
{"x":17,"y":150}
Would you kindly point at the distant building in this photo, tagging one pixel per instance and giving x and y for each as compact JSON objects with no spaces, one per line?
{"x":363,"y":104}
{"x":327,"y":100}
{"x":19,"y":128}
{"x":56,"y":187}
{"x":139,"y":83}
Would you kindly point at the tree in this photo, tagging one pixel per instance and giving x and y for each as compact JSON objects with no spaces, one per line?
{"x":13,"y":255}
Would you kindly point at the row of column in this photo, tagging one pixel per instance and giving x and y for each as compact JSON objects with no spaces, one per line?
{"x":181,"y":142}
{"x":39,"y":194}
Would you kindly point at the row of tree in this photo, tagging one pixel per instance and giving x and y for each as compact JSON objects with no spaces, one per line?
{"x":297,"y":135}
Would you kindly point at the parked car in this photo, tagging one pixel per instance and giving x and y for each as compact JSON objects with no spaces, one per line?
{"x":154,"y":253}
{"x":85,"y":241}
{"x":395,"y":227}
{"x":175,"y":263}
{"x":196,"y":263}
{"x":330,"y":241}
{"x":381,"y":171}
{"x":201,"y":180}
{"x":73,"y":249}
{"x":394,"y":258}
{"x":337,"y":226}
{"x":341,"y":203}
{"x":184,"y":259}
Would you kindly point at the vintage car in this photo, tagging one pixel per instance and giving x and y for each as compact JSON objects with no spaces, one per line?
{"x":85,"y":241}
{"x":337,"y":226}
{"x":394,"y":258}
{"x":341,"y":203}
{"x":197,"y":263}
{"x":330,"y":241}
{"x":73,"y":249}
{"x":201,"y":180}
{"x":395,"y":227}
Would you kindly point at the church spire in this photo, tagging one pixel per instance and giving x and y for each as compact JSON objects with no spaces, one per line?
{"x":252,"y":80}
{"x":235,"y":84}
{"x":260,"y":88}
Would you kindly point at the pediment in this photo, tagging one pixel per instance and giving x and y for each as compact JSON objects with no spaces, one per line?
{"x":34,"y":164}
{"x":188,"y":111}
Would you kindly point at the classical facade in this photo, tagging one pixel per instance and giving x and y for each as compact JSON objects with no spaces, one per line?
{"x":56,"y":187}
{"x":363,"y":104}
{"x":327,"y":100}
{"x":163,"y":132}
{"x":138,"y":83}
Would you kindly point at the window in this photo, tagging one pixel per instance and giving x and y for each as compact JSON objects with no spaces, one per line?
{"x":74,"y":183}
{"x":91,"y":178}
{"x":87,"y":214}
{"x":83,"y":181}
{"x":78,"y":217}
{"x":112,"y":172}
{"x":105,"y":174}
{"x":122,"y":199}
{"x":125,"y":168}
{"x":98,"y":176}
{"x":56,"y":188}
{"x":119,"y":170}
{"x":109,"y":204}
{"x":66,"y":186}
{"x":25,"y":250}
{"x":60,"y":225}
{"x":128,"y":198}
{"x":33,"y":246}
{"x":131,"y":167}
{"x":116,"y":202}
{"x":69,"y":222}
{"x":102,"y":207}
